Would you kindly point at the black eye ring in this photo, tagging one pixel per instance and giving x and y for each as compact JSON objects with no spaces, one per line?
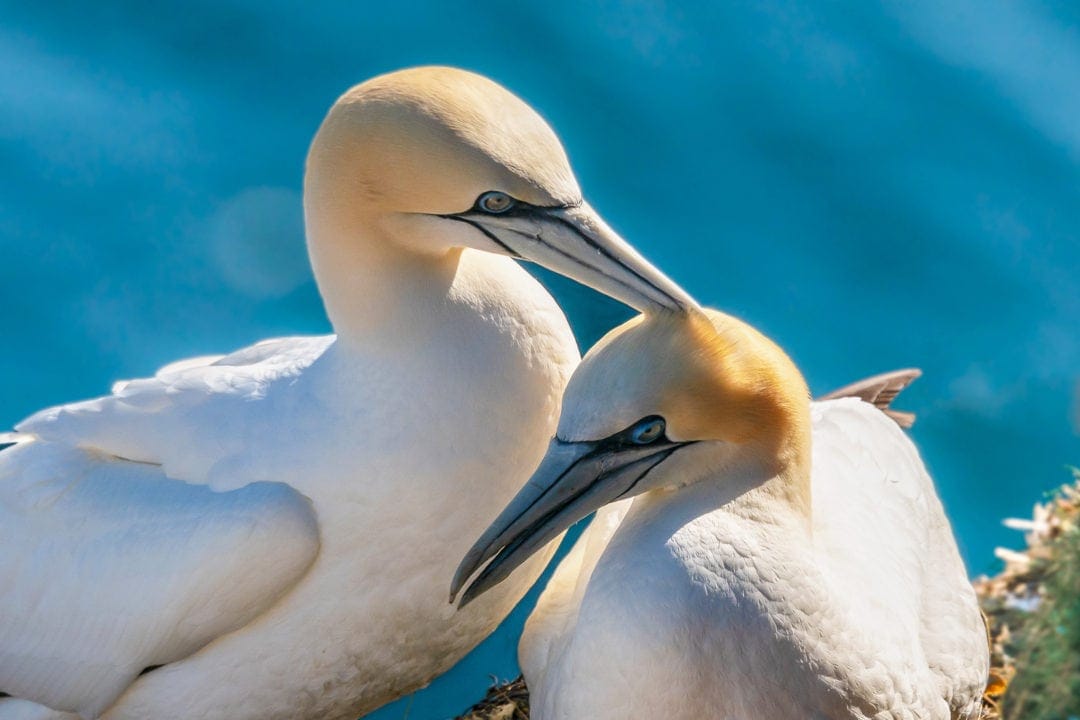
{"x":648,"y":430}
{"x":495,"y":202}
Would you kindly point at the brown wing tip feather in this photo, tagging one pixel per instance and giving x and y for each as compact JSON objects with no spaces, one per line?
{"x":880,"y":391}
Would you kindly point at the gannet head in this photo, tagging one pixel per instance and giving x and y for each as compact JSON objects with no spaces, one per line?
{"x":436,"y":158}
{"x":659,"y":403}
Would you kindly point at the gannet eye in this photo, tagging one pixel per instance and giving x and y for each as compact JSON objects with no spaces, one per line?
{"x":495,"y":202}
{"x":647,"y":430}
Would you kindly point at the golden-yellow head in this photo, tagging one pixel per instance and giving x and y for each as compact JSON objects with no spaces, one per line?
{"x":708,"y":375}
{"x":432,"y":159}
{"x":432,"y":139}
{"x":662,"y":402}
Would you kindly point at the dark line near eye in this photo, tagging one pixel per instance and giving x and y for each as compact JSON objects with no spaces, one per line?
{"x":606,"y":253}
{"x":490,"y":235}
{"x":621,"y":439}
{"x":519,"y":207}
{"x":626,"y":435}
{"x":666,"y":454}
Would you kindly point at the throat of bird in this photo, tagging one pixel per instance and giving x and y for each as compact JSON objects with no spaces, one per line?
{"x":372,"y":287}
{"x":786,"y":465}
{"x":793,"y":487}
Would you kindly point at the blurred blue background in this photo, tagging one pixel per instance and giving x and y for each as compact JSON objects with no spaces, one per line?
{"x":874,"y":185}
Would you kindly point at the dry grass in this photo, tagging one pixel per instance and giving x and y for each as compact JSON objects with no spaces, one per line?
{"x":1033,"y":616}
{"x":509,"y":701}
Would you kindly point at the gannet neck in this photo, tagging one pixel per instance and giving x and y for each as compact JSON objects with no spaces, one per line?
{"x":371,"y":286}
{"x":393,"y":157}
{"x":760,"y":402}
{"x":755,"y":494}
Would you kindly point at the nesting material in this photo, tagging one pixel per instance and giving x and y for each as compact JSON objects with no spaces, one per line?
{"x":506,"y":701}
{"x":1031,"y":612}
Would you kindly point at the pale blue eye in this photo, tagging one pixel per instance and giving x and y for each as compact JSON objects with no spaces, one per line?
{"x":648,"y":430}
{"x":495,"y":202}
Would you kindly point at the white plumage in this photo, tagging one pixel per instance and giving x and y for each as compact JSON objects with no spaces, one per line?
{"x":275,"y":528}
{"x":290,"y":490}
{"x":912,"y":645}
{"x":716,"y":592}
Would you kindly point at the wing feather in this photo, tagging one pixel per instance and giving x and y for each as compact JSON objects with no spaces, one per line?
{"x":189,"y":420}
{"x":880,"y":391}
{"x":109,"y":564}
{"x":878,"y":519}
{"x":108,"y":567}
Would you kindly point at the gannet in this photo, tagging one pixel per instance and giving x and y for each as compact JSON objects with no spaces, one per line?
{"x":734,"y":573}
{"x":269,"y":534}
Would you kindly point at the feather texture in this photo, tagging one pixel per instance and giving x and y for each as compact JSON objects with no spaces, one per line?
{"x":684,"y":606}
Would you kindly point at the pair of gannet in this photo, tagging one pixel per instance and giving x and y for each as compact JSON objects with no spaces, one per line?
{"x":269,"y":534}
{"x":755,"y":556}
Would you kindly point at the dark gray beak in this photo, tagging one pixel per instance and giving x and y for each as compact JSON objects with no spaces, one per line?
{"x":573,"y":480}
{"x":576,"y":242}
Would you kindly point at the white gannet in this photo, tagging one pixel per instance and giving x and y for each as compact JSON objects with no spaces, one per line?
{"x":269,"y":534}
{"x":749,"y":577}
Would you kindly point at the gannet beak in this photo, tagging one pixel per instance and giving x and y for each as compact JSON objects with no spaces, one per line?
{"x":575,"y":241}
{"x":573,"y":480}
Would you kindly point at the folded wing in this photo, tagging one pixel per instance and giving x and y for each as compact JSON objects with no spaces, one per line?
{"x":119,"y":552}
{"x":109,"y":568}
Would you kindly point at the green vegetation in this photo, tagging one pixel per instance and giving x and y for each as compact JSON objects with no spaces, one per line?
{"x":1034,"y":611}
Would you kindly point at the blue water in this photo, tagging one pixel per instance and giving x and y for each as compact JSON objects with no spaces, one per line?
{"x":874,"y":185}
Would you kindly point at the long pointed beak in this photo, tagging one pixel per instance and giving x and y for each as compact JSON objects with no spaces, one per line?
{"x":573,"y":480}
{"x":576,"y":242}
